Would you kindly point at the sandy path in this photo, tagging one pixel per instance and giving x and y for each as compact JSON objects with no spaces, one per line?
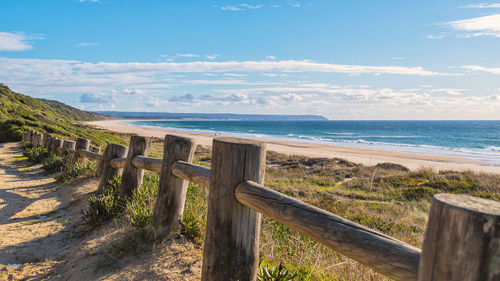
{"x":42,"y":236}
{"x":36,"y":218}
{"x":363,"y":156}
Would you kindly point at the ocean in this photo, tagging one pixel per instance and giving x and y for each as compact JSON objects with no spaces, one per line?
{"x":478,"y":140}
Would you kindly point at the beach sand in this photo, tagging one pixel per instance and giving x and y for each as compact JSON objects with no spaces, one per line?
{"x":356,"y":155}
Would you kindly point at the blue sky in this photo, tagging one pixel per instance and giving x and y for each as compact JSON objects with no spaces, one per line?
{"x":341,"y":59}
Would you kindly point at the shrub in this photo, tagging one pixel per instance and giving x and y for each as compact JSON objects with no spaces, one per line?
{"x":76,"y":170}
{"x":194,"y":219}
{"x":35,"y":154}
{"x":56,"y":163}
{"x":104,"y":205}
{"x":139,"y":207}
{"x":268,"y":272}
{"x":417,"y":193}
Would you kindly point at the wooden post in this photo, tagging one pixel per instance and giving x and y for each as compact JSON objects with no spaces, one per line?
{"x":94,"y":149}
{"x":107,"y":172}
{"x":56,"y":143}
{"x":48,"y":142}
{"x":69,"y":144}
{"x":31,"y":134}
{"x":462,"y":240}
{"x":45,"y":138}
{"x":39,"y":139}
{"x":171,"y":197}
{"x":35,"y":139}
{"x":81,"y":143}
{"x":231,"y":249}
{"x":132,"y":176}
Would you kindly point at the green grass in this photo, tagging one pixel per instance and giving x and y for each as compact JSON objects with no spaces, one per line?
{"x":20,"y":113}
{"x":104,"y":205}
{"x":139,"y":208}
{"x":34,"y":154}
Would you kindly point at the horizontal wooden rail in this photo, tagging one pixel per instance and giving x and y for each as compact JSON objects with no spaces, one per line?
{"x":385,"y":254}
{"x":90,"y":155}
{"x":147,"y":163}
{"x":192,"y":172}
{"x":118,"y":163}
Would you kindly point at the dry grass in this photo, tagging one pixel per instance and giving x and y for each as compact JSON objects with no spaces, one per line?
{"x":386,"y":197}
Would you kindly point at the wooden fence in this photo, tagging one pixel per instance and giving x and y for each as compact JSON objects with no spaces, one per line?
{"x":462,"y":240}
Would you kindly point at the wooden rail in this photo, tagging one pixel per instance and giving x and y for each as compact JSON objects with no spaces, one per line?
{"x":461,"y":241}
{"x":385,"y":254}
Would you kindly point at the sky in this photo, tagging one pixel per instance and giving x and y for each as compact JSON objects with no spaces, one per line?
{"x":342,"y":59}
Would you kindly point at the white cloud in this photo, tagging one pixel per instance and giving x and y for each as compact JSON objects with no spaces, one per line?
{"x":482,"y":5}
{"x":483,"y":69}
{"x":439,"y":36}
{"x":271,"y":57}
{"x":66,"y":76}
{"x":362,"y":103}
{"x":211,"y":57}
{"x":253,"y":7}
{"x":87,"y":44}
{"x":231,"y":8}
{"x":188,"y":55}
{"x":294,"y":4}
{"x":480,"y":26}
{"x":16,"y":41}
{"x":97,"y":98}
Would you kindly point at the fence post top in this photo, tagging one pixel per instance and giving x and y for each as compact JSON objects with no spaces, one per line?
{"x":176,"y":137}
{"x":469,"y":203}
{"x":116,"y":145}
{"x":139,"y":138}
{"x":242,"y":141}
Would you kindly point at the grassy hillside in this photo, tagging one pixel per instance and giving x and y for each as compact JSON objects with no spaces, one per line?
{"x":19,"y":113}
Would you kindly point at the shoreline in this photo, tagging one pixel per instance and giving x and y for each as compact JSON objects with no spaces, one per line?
{"x":357,"y":155}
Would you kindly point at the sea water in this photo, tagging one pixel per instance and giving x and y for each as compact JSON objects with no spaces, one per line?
{"x":478,"y":140}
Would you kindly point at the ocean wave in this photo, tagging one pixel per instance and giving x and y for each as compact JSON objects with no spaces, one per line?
{"x":334,"y":134}
{"x":486,"y":153}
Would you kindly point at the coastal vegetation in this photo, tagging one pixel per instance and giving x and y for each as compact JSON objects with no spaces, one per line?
{"x":20,"y":113}
{"x":386,"y":197}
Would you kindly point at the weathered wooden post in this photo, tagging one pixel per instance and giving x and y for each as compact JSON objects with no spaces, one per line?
{"x":56,"y":143}
{"x":132,"y":176}
{"x":39,"y":139}
{"x":44,"y":139}
{"x":48,"y":142}
{"x":462,"y":240}
{"x":171,"y":197}
{"x":30,"y":136}
{"x":94,"y":149}
{"x":81,"y":143}
{"x":232,"y":237}
{"x":107,"y":172}
{"x":67,"y":146}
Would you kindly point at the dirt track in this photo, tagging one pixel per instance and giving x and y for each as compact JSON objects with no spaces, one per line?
{"x":42,"y":236}
{"x":36,"y":218}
